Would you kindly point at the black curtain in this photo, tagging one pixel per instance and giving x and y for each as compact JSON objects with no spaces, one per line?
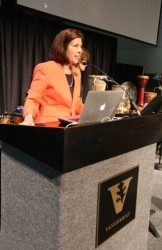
{"x":103,"y":52}
{"x":25,"y":40}
{"x":127,"y":72}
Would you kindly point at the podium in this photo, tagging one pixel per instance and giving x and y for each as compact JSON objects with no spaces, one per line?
{"x":57,"y":185}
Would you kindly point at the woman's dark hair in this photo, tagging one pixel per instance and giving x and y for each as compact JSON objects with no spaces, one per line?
{"x":61,"y":42}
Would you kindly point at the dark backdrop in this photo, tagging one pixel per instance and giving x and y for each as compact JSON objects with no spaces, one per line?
{"x":25,"y":40}
{"x":127,"y":72}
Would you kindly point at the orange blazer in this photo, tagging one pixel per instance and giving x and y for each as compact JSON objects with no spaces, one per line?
{"x":49,"y":95}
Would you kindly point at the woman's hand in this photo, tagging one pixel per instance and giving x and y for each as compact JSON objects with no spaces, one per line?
{"x":28,"y":120}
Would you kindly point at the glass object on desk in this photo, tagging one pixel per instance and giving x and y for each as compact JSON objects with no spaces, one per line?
{"x":130,"y":91}
{"x":123,"y":107}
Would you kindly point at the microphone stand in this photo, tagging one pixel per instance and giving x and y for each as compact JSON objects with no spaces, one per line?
{"x":109,"y":79}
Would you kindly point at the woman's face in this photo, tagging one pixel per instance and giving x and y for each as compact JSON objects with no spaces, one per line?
{"x":74,"y":50}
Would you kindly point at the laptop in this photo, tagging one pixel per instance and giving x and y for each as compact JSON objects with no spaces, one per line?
{"x":155,"y":106}
{"x":99,"y":106}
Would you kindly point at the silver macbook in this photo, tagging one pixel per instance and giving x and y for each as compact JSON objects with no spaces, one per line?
{"x":99,"y":106}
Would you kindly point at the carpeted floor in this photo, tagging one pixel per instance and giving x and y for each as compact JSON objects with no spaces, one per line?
{"x":156,"y":212}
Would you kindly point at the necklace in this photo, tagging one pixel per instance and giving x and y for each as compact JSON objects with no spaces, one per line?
{"x":70,"y":80}
{"x":71,"y":84}
{"x":67,"y":69}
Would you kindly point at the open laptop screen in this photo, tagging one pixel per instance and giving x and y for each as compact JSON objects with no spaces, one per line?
{"x":99,"y":105}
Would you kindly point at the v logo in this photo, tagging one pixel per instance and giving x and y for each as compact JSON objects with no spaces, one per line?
{"x":118,"y":193}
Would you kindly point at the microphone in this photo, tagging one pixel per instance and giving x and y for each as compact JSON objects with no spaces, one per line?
{"x":109,"y":79}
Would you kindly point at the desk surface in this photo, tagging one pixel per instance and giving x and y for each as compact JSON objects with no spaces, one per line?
{"x":67,"y":149}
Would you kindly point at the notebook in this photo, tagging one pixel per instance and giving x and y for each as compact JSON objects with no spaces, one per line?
{"x":99,"y":106}
{"x":155,"y":106}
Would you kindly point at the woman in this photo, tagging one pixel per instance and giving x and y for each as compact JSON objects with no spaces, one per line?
{"x":55,"y":88}
{"x":83,"y":62}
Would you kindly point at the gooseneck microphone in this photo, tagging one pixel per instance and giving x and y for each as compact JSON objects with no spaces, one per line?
{"x":109,"y":79}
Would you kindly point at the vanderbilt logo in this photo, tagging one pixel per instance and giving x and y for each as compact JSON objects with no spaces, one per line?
{"x":116,"y":203}
{"x":118,"y":193}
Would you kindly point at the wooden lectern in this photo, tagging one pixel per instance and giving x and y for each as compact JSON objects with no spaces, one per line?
{"x":78,"y":188}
